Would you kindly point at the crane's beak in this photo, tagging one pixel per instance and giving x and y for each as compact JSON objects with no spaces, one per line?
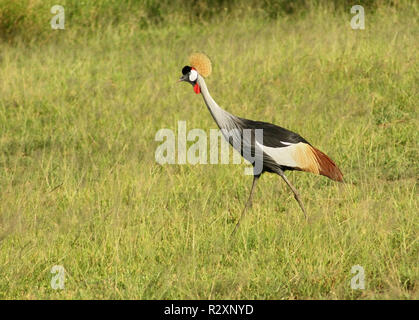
{"x":183,"y":78}
{"x":196,"y":87}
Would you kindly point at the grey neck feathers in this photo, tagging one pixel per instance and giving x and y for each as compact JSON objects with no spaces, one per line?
{"x":223,"y":119}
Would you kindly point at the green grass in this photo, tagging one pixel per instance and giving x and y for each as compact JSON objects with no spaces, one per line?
{"x":80,"y":187}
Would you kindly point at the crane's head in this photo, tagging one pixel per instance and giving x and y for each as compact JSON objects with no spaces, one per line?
{"x":189,"y":74}
{"x":200,"y":65}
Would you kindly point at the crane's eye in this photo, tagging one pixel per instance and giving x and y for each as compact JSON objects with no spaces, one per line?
{"x":193,"y":75}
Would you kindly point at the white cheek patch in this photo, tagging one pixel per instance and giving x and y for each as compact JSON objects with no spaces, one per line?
{"x":193,"y":76}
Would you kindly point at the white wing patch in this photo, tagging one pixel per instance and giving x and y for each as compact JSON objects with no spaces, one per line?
{"x":298,"y":155}
{"x":282,"y":156}
{"x":286,"y":143}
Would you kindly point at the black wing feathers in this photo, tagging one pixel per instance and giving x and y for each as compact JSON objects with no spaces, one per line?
{"x":273,"y":135}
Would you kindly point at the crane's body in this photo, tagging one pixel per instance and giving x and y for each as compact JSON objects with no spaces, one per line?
{"x":279,"y":148}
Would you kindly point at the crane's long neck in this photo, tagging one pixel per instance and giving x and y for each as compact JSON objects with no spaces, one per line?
{"x":223,"y":119}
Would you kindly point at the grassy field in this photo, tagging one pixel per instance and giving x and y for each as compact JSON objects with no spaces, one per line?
{"x":80,"y":187}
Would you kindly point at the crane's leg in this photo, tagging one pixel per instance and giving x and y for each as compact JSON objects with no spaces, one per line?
{"x":296,"y":195}
{"x":248,"y":203}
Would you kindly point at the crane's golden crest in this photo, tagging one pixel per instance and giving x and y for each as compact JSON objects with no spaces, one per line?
{"x":201,"y":63}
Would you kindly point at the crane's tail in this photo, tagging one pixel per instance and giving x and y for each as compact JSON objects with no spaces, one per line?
{"x":326,"y":166}
{"x":310,"y":159}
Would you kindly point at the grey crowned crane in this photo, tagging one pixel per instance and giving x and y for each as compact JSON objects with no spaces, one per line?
{"x":280,"y":149}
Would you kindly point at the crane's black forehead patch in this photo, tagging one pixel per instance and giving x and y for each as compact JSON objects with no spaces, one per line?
{"x":186,"y":69}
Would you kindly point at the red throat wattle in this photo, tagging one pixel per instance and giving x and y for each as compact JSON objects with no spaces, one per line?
{"x":196,"y":88}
